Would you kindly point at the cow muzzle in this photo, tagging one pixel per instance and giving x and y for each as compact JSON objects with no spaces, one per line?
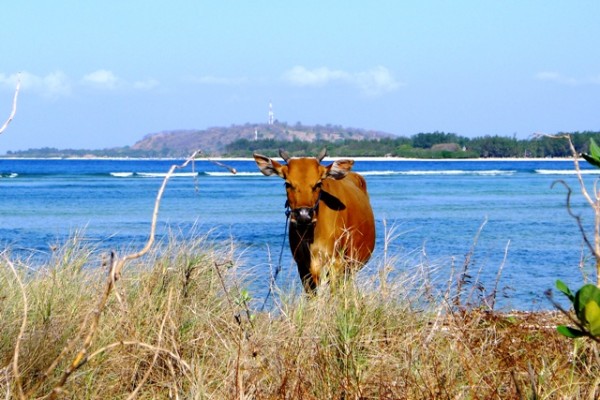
{"x":304,"y":216}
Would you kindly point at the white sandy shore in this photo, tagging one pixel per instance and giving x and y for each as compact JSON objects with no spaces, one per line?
{"x":399,"y":159}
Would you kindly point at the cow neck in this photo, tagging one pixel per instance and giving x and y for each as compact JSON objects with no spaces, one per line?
{"x":304,"y":232}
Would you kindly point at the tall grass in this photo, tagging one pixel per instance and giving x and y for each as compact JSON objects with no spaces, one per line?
{"x":178,"y":325}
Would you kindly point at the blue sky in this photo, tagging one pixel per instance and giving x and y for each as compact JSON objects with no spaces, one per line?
{"x":104,"y":74}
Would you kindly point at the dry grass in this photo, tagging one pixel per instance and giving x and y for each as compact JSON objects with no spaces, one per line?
{"x":178,"y":325}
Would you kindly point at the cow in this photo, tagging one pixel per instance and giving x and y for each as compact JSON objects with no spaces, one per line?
{"x":332,"y":227}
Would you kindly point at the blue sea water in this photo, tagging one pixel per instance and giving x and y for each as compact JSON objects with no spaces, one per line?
{"x":436,"y":209}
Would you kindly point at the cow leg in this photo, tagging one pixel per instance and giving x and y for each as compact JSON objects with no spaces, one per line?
{"x":309,"y":284}
{"x":303,"y":261}
{"x":309,"y":280}
{"x":321,"y":262}
{"x":300,"y":243}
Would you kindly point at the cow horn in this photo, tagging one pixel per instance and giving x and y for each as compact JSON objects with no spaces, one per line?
{"x":322,"y":154}
{"x":284,"y":154}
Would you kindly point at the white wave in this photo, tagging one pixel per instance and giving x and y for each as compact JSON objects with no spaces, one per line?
{"x":11,"y":175}
{"x":566,"y":171}
{"x":121,"y":174}
{"x":164,"y":174}
{"x":365,"y":173}
{"x":230,"y":174}
{"x":490,"y":172}
{"x":494,"y":172}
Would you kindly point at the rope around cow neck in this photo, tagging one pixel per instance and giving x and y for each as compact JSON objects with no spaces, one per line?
{"x":278,"y":268}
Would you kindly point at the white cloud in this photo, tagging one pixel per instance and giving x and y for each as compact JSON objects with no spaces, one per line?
{"x":102,"y":78}
{"x":215,"y":80}
{"x":301,"y":76}
{"x":105,"y":79}
{"x":556,"y":77}
{"x":145,"y":85}
{"x":54,"y":84}
{"x":377,"y":81}
{"x":373,"y":82}
{"x":57,"y":84}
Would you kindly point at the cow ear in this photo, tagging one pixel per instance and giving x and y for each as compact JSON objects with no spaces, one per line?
{"x":268,"y":166}
{"x":339,"y":169}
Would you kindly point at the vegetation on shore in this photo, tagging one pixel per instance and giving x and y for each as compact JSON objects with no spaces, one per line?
{"x":235,"y":142}
{"x":436,"y":145}
{"x":180,"y":324}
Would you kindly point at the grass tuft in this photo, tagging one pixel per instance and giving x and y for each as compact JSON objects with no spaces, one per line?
{"x":179,"y":324}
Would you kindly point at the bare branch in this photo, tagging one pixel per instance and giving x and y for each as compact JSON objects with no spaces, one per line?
{"x":594,"y":203}
{"x":116,"y":267}
{"x":150,"y":241}
{"x":576,"y":217}
{"x":463,"y":277}
{"x":220,"y":164}
{"x":14,"y":107}
{"x":495,"y":291}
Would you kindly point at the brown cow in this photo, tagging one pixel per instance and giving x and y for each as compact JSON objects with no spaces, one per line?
{"x":332,"y":225}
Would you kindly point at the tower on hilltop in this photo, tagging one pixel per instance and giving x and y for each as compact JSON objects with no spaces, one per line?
{"x":271,"y":115}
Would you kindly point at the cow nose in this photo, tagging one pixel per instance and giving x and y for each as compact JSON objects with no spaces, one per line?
{"x":304,"y":215}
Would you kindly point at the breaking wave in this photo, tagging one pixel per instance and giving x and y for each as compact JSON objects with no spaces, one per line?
{"x":490,"y":172}
{"x":566,"y":171}
{"x":151,"y":174}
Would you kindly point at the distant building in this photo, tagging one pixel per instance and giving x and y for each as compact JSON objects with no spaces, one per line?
{"x":271,"y":115}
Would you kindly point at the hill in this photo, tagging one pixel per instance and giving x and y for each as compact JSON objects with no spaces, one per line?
{"x":212,"y":141}
{"x":243,"y":140}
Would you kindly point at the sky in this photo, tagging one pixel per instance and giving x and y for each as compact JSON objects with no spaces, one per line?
{"x":104,"y":74}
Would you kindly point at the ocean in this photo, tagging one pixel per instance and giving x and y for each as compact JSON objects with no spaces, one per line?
{"x":495,"y":214}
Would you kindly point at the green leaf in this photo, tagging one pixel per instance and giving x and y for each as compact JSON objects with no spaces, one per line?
{"x":594,"y":156}
{"x":592,"y":316}
{"x":591,"y":160}
{"x":583,"y":296}
{"x":594,"y":149}
{"x":560,"y":285}
{"x":569,"y":332}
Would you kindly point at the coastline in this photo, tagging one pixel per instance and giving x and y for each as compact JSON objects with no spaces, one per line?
{"x":392,"y":159}
{"x":491,"y":159}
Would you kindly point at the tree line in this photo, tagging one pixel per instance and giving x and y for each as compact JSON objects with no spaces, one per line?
{"x":431,"y":145}
{"x":422,"y":145}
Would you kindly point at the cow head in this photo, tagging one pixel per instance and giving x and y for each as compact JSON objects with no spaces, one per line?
{"x":303,"y":179}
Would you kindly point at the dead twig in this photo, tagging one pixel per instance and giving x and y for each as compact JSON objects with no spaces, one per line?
{"x":150,"y":241}
{"x":14,"y":107}
{"x":90,"y":325}
{"x":80,"y":358}
{"x":464,"y":277}
{"x":576,"y":217}
{"x":494,"y":293}
{"x":592,"y":200}
{"x":115,"y":270}
{"x":220,"y":164}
